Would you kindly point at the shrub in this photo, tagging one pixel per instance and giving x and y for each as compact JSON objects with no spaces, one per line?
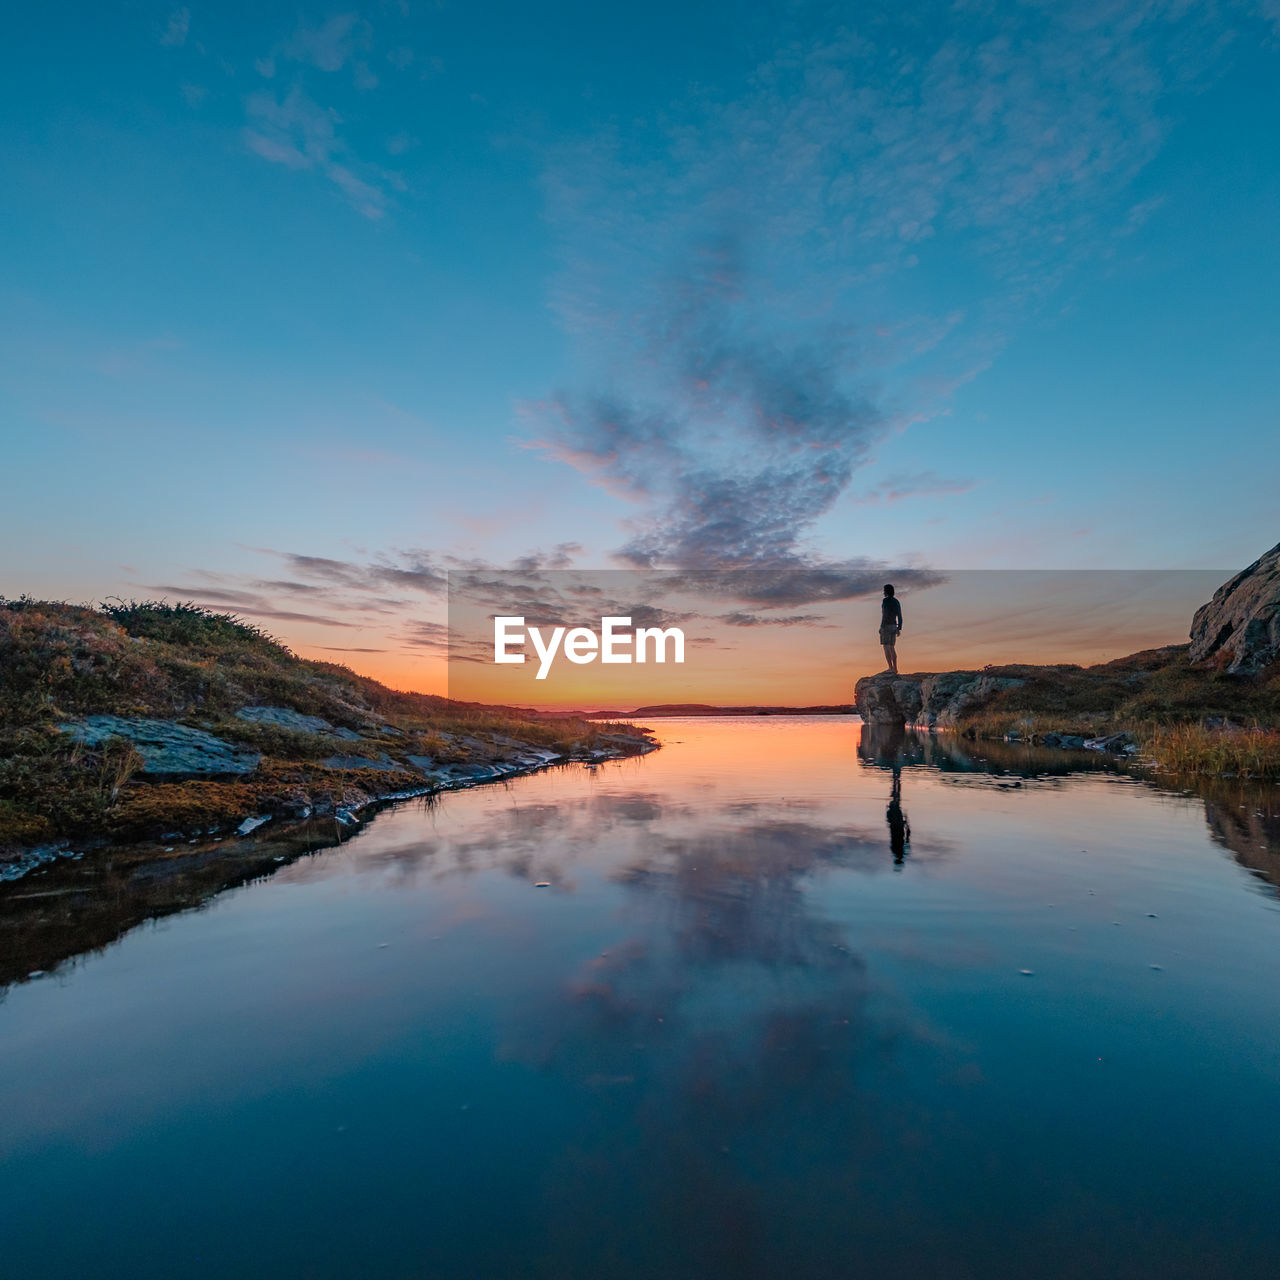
{"x":187,"y":623}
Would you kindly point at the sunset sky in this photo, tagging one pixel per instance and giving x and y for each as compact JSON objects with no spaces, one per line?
{"x":303,"y":307}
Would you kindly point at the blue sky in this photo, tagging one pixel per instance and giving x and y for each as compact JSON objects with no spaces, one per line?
{"x":300,"y":306}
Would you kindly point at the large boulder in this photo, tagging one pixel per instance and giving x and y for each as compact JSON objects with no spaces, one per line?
{"x":167,"y":749}
{"x":1240,"y":627}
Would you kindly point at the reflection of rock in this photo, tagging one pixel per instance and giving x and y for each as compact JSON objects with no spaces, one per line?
{"x":987,"y":761}
{"x":1246,"y":820}
{"x":1240,"y":626}
{"x":935,"y":701}
{"x":167,"y":749}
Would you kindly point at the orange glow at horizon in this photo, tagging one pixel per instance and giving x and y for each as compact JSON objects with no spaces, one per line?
{"x":974,"y":619}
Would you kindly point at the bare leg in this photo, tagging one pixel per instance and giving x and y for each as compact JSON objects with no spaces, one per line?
{"x":891,"y":657}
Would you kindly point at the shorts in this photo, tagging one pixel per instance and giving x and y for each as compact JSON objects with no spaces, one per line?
{"x":888,"y":635}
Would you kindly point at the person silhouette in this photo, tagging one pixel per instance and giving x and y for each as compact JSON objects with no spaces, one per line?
{"x":899,"y":827}
{"x":890,"y":626}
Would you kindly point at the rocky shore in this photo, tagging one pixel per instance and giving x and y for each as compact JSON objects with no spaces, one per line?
{"x":176,"y":753}
{"x":1211,"y":705}
{"x":172,"y":725}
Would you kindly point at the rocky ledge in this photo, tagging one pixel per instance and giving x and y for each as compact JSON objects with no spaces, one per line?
{"x":931,"y":700}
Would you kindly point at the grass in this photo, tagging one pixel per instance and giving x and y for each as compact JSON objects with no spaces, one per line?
{"x":1224,"y":753}
{"x":1185,"y":719}
{"x":193,"y":665}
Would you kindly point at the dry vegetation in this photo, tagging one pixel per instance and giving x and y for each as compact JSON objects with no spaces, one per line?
{"x":187,"y":664}
{"x":1184,"y":719}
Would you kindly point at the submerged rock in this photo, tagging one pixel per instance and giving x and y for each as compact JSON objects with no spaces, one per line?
{"x":166,"y":748}
{"x":1240,"y":627}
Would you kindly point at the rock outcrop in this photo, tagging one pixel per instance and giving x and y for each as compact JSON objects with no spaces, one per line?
{"x":934,"y":701}
{"x":167,"y":749}
{"x":889,"y":699}
{"x":1240,"y":627}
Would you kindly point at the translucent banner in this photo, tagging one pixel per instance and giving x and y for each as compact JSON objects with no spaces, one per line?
{"x":625,"y":639}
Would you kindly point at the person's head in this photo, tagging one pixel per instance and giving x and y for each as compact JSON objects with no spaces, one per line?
{"x":888,"y":588}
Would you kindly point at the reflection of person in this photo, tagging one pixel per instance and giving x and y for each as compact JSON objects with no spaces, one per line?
{"x":890,"y":626}
{"x":899,"y":827}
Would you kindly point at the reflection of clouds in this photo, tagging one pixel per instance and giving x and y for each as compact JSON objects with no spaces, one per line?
{"x":733,"y":1028}
{"x":738,"y":892}
{"x":742,"y":850}
{"x":631,"y":807}
{"x":535,"y":841}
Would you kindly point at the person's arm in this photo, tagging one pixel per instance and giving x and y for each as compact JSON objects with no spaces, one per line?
{"x":898,"y":610}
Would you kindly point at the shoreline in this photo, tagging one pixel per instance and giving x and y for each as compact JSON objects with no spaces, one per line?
{"x":347,"y":817}
{"x":149,"y":880}
{"x":79,"y":902}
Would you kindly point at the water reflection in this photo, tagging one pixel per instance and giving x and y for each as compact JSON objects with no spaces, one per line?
{"x":1245,"y":819}
{"x":1242,"y":816}
{"x":899,"y":827}
{"x":730,"y":1012}
{"x":75,"y":908}
{"x":729,"y":1032}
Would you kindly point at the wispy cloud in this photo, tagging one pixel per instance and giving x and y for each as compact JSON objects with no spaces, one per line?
{"x":729,"y":273}
{"x":783,"y":620}
{"x":739,"y":439}
{"x":247,"y":603}
{"x":175,"y":34}
{"x":561,"y":556}
{"x":412,"y":570}
{"x":330,"y":45}
{"x":383,"y":593}
{"x":432,"y":636}
{"x":298,"y":128}
{"x":918,"y":484}
{"x":297,"y":132}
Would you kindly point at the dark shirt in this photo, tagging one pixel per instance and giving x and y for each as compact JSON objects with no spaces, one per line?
{"x":891,"y":612}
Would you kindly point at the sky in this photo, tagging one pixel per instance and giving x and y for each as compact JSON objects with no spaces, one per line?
{"x":304,"y":307}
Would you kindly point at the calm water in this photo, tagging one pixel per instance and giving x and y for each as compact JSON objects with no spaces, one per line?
{"x":762,"y":1021}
